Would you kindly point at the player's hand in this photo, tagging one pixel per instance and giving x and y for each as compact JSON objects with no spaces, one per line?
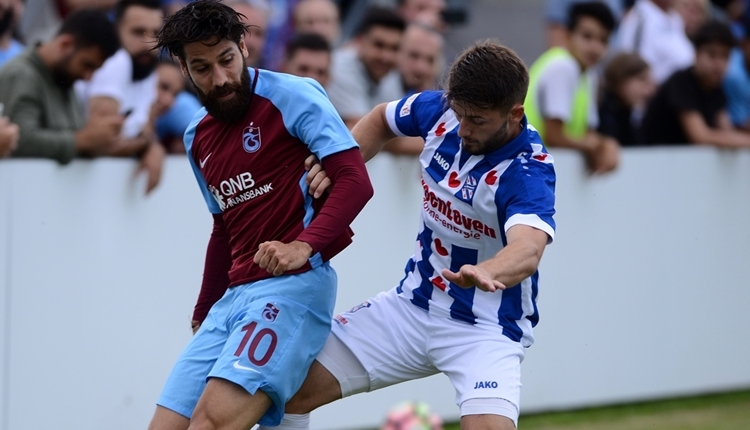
{"x":195,"y":325}
{"x":317,"y":180}
{"x":276,"y":257}
{"x":469,"y":276}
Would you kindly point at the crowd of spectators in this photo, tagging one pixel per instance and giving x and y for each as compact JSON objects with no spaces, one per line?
{"x":617,"y":73}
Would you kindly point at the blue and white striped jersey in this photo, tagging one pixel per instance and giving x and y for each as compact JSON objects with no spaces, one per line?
{"x":470,"y":201}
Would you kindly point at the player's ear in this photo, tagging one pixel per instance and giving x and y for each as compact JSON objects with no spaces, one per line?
{"x":516,"y":113}
{"x":184,"y":69}
{"x":243,"y":48}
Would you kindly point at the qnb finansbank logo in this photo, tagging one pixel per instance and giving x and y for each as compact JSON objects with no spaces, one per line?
{"x":238,"y":189}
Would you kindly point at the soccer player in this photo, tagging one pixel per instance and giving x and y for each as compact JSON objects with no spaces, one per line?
{"x":270,"y":243}
{"x":467,"y":304}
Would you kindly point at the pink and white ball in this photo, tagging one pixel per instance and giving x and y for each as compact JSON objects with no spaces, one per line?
{"x":412,"y":416}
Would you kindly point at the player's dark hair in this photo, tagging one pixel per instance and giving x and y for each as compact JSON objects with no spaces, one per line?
{"x":597,"y":10}
{"x":308,"y":41}
{"x":205,"y":21}
{"x":746,"y":27}
{"x":377,"y":16}
{"x":91,"y":27}
{"x":122,"y":6}
{"x":488,"y":75}
{"x":714,"y":32}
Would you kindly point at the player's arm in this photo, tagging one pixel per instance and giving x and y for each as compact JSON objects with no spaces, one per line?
{"x":350,"y":191}
{"x":514,"y":263}
{"x":372,"y":132}
{"x":215,"y":271}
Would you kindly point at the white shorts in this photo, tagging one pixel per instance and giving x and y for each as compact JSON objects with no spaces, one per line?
{"x":396,"y":341}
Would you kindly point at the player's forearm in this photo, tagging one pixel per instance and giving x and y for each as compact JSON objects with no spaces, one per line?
{"x":372,"y":132}
{"x":216,"y":270}
{"x":515,"y":262}
{"x":350,"y":192}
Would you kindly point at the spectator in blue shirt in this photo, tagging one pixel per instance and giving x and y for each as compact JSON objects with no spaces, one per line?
{"x":10,"y":14}
{"x":737,"y":82}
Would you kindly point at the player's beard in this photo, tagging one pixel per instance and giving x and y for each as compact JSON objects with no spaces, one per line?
{"x":235,"y":108}
{"x":498,"y":139}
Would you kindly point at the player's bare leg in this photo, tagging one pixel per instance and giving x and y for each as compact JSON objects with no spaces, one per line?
{"x":168,"y":419}
{"x":320,"y":388}
{"x":223,"y":405}
{"x":486,"y":422}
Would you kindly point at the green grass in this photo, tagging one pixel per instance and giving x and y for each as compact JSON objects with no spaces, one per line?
{"x":727,"y":411}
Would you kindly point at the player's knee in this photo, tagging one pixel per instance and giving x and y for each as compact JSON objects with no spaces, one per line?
{"x":487,"y":422}
{"x":203,"y":420}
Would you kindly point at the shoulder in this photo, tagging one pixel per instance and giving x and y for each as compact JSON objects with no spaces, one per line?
{"x":282,"y":87}
{"x":562,"y":67}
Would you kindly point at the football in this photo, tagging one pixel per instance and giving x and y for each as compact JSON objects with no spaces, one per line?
{"x":412,"y":416}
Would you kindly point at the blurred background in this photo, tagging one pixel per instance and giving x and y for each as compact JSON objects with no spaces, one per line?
{"x":644,"y":105}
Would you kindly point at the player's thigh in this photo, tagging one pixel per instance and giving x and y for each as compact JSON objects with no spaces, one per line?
{"x":228,"y":406}
{"x":274,"y":339}
{"x":486,"y":422}
{"x":187,"y":379}
{"x":387,"y":335}
{"x":319,"y":388}
{"x":484,"y":367}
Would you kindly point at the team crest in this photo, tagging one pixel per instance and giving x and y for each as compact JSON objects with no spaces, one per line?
{"x":467,"y":192}
{"x":270,"y":312}
{"x":251,"y":139}
{"x":360,"y":306}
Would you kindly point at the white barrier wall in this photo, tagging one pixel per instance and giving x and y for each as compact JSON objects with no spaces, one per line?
{"x":644,"y":294}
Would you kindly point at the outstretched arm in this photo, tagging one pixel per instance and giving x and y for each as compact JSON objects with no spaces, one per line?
{"x":372,"y":132}
{"x":514,"y":263}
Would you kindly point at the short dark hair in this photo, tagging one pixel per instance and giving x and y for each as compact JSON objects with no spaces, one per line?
{"x":309,"y":41}
{"x":123,"y":5}
{"x":377,"y":16}
{"x":622,"y":67}
{"x":207,"y":21}
{"x":594,"y":9}
{"x":91,"y":27}
{"x":488,"y":75}
{"x":714,"y":32}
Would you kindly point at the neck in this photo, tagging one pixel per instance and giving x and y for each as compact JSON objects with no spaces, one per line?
{"x":49,"y":53}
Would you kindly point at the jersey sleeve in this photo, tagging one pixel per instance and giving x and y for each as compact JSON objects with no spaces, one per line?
{"x":527,"y":194}
{"x":415,"y":115}
{"x":310,"y":117}
{"x":189,"y":138}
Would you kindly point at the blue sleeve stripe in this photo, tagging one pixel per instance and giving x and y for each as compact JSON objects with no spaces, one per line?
{"x":189,"y":138}
{"x":390,"y":117}
{"x":306,"y":112}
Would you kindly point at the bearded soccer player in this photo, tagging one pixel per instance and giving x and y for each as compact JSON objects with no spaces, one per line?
{"x":467,"y":304}
{"x":267,"y":280}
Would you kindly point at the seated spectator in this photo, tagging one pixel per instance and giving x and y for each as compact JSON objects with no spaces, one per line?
{"x":320,"y":17}
{"x":561,"y":101}
{"x":10,"y":14}
{"x":126,"y":85}
{"x":36,"y":89}
{"x":556,"y":17}
{"x":255,"y":36}
{"x":8,"y":137}
{"x":691,"y":107}
{"x":654,"y":30}
{"x":628,"y":86}
{"x":420,"y":58}
{"x":425,"y":12}
{"x":737,"y":82}
{"x":363,"y":75}
{"x":174,"y":108}
{"x":308,"y":55}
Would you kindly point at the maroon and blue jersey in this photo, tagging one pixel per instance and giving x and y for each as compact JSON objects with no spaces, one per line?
{"x":252,"y":172}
